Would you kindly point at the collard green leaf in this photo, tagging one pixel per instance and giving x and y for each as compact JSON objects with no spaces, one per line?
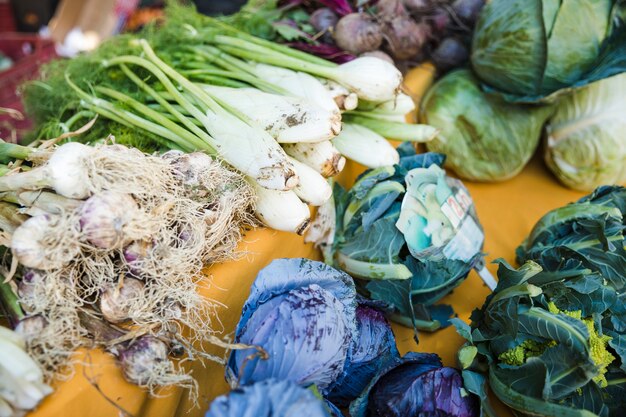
{"x":618,"y":343}
{"x":590,"y":397}
{"x":380,"y":243}
{"x":529,"y":404}
{"x":564,"y":329}
{"x":586,"y":293}
{"x":566,"y":372}
{"x":431,"y":280}
{"x":615,"y":391}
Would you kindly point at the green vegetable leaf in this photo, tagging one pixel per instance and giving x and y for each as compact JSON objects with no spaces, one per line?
{"x":567,"y":372}
{"x":564,"y":329}
{"x":511,"y":34}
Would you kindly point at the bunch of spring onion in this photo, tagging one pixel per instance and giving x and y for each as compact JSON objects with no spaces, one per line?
{"x":21,"y":380}
{"x":272,"y":113}
{"x":105,"y":246}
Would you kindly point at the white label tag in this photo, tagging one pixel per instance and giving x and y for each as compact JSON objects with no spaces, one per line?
{"x":466,"y":243}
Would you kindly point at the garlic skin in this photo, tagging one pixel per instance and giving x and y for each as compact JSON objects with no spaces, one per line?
{"x":29,"y":240}
{"x":115,"y":301}
{"x":31,"y":326}
{"x":104,"y":216}
{"x":67,"y":167}
{"x":21,"y":380}
{"x":143,"y":358}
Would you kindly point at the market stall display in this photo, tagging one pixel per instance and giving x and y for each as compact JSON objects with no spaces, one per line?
{"x":130,"y":244}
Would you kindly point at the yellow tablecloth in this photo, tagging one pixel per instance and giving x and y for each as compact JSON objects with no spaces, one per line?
{"x":507,"y":212}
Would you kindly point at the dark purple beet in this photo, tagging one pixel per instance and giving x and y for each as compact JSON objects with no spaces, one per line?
{"x":323,"y":19}
{"x":468,"y":10}
{"x":405,"y":38}
{"x":439,"y":21}
{"x":449,"y":54}
{"x":390,"y":9}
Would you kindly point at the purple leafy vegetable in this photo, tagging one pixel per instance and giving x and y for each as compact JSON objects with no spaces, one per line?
{"x":302,"y":314}
{"x":269,"y":398}
{"x":374,"y":350}
{"x":330,"y":52}
{"x":415,"y":386}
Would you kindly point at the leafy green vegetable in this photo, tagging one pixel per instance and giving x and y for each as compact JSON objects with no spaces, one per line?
{"x":586,"y":143}
{"x":529,"y":51}
{"x":551,"y":338}
{"x":409,"y":234}
{"x":484,"y":138}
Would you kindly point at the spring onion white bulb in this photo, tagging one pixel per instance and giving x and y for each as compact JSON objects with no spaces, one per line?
{"x":287,"y":119}
{"x":322,"y":157}
{"x":282,"y":210}
{"x":370,"y":78}
{"x":251,"y":150}
{"x":365,"y":146}
{"x":116,"y":300}
{"x":32,"y":246}
{"x":65,"y":172}
{"x":105,"y":216}
{"x":21,"y":380}
{"x":300,"y":84}
{"x":396,"y":109}
{"x":313,"y":188}
{"x":345,"y":99}
{"x":322,"y":230}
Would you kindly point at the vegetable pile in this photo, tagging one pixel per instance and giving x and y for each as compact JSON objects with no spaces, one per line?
{"x":530,"y":77}
{"x":408,"y":233}
{"x":305,"y":324}
{"x":107,"y":246}
{"x":550,"y":339}
{"x":270,"y":112}
{"x":402,"y":31}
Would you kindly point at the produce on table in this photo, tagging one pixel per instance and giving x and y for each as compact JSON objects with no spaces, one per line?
{"x":300,"y":320}
{"x":415,"y":385}
{"x":107,"y":246}
{"x":483,"y":138}
{"x":22,"y":385}
{"x":407,"y":31}
{"x":269,"y":398}
{"x":550,"y":339}
{"x":586,"y":136}
{"x":408,"y":233}
{"x":285,"y":322}
{"x":375,"y":347}
{"x":270,"y":112}
{"x":531,"y":51}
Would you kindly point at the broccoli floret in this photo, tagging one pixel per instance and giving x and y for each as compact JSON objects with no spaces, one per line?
{"x":600,"y":355}
{"x":519,"y":354}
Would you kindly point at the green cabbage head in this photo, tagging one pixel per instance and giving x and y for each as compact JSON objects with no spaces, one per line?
{"x":586,"y":136}
{"x":532,"y":48}
{"x":483,"y":137}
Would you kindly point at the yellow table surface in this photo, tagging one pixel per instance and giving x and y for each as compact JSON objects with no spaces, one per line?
{"x":506,"y":210}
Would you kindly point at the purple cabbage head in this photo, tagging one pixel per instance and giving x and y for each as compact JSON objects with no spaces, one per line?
{"x":374,"y":350}
{"x":416,"y":386}
{"x":302,"y":314}
{"x":269,"y":398}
